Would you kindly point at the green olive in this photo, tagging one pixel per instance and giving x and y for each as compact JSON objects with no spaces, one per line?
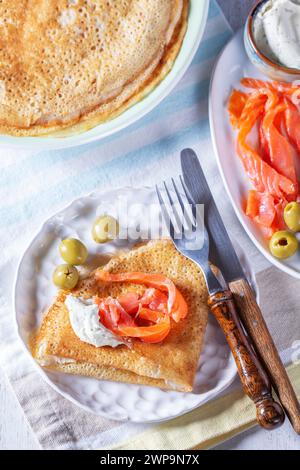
{"x":292,"y":216}
{"x":65,"y":276}
{"x":105,"y":229}
{"x":283,"y":244}
{"x":73,"y":251}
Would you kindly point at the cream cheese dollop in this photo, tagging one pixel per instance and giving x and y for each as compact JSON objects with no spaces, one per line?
{"x":276,"y":31}
{"x":84,"y":318}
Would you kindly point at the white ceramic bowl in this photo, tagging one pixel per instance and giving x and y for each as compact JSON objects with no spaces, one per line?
{"x":265,"y":65}
{"x":196,"y":24}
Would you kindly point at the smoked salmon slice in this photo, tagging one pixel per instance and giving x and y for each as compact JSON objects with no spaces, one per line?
{"x":263,"y":176}
{"x":279,"y":223}
{"x":236,"y":105}
{"x":255,"y":106}
{"x":177,"y":306}
{"x":280,"y":87}
{"x":292,"y":122}
{"x":279,"y":150}
{"x":127,"y":315}
{"x":152,"y":298}
{"x":130,"y":302}
{"x":148,"y":334}
{"x":261,"y":208}
{"x":266,"y":212}
{"x":155,"y":300}
{"x":112,"y":314}
{"x":264,"y":147}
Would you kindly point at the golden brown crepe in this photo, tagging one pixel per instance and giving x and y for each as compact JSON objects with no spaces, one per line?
{"x":170,"y":364}
{"x":68,"y":65}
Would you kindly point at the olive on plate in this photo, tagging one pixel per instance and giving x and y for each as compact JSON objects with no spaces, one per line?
{"x":73,"y":251}
{"x":292,"y":216}
{"x":283,"y":244}
{"x":65,"y":276}
{"x":105,"y":229}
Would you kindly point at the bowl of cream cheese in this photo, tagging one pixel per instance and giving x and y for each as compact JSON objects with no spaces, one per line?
{"x":272,"y":38}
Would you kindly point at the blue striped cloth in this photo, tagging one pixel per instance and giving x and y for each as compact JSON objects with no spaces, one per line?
{"x":34,"y":185}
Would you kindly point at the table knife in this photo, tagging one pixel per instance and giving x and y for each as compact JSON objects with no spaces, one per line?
{"x":191,"y":239}
{"x":223,"y":255}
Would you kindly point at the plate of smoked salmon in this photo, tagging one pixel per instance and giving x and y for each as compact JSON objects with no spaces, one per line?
{"x":255,"y":128}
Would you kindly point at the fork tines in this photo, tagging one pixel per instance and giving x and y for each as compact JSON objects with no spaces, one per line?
{"x":177,"y":206}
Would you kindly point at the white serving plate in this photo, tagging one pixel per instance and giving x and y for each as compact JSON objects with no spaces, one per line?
{"x":34,"y":292}
{"x":233,"y":64}
{"x":196,"y":24}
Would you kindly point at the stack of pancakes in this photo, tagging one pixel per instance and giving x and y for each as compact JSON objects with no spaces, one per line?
{"x":68,"y":65}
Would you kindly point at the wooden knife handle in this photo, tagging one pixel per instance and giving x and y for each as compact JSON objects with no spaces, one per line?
{"x":254,"y":379}
{"x":255,"y":325}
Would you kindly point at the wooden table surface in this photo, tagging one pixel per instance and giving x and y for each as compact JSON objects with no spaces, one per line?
{"x":15,"y":432}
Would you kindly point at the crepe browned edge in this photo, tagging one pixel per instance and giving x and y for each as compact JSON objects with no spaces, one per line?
{"x":134,"y":92}
{"x":170,"y":364}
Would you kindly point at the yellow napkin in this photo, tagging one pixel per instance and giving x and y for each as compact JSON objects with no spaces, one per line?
{"x":207,"y":426}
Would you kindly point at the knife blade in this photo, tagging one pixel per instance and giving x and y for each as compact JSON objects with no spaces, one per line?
{"x":221,"y":252}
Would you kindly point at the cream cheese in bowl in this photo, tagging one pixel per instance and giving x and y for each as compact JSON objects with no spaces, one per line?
{"x":276,"y":31}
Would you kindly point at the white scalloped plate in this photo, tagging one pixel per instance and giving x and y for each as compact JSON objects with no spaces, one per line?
{"x":34,"y":292}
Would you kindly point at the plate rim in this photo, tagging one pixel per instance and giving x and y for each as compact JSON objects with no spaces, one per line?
{"x":255,"y":241}
{"x":215,"y":392}
{"x":147,"y":104}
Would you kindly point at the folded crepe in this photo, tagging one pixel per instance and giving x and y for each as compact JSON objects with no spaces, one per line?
{"x":170,"y":364}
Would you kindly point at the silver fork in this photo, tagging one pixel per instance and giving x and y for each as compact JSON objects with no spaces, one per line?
{"x":220,"y":301}
{"x":186,"y":239}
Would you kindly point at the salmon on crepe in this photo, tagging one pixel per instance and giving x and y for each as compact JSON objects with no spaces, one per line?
{"x":139,"y":319}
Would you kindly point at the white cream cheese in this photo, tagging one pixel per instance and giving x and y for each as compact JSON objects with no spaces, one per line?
{"x":85,"y":322}
{"x":276,"y":31}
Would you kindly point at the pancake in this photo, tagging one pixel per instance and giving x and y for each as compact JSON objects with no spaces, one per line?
{"x":68,"y":65}
{"x":170,"y":364}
